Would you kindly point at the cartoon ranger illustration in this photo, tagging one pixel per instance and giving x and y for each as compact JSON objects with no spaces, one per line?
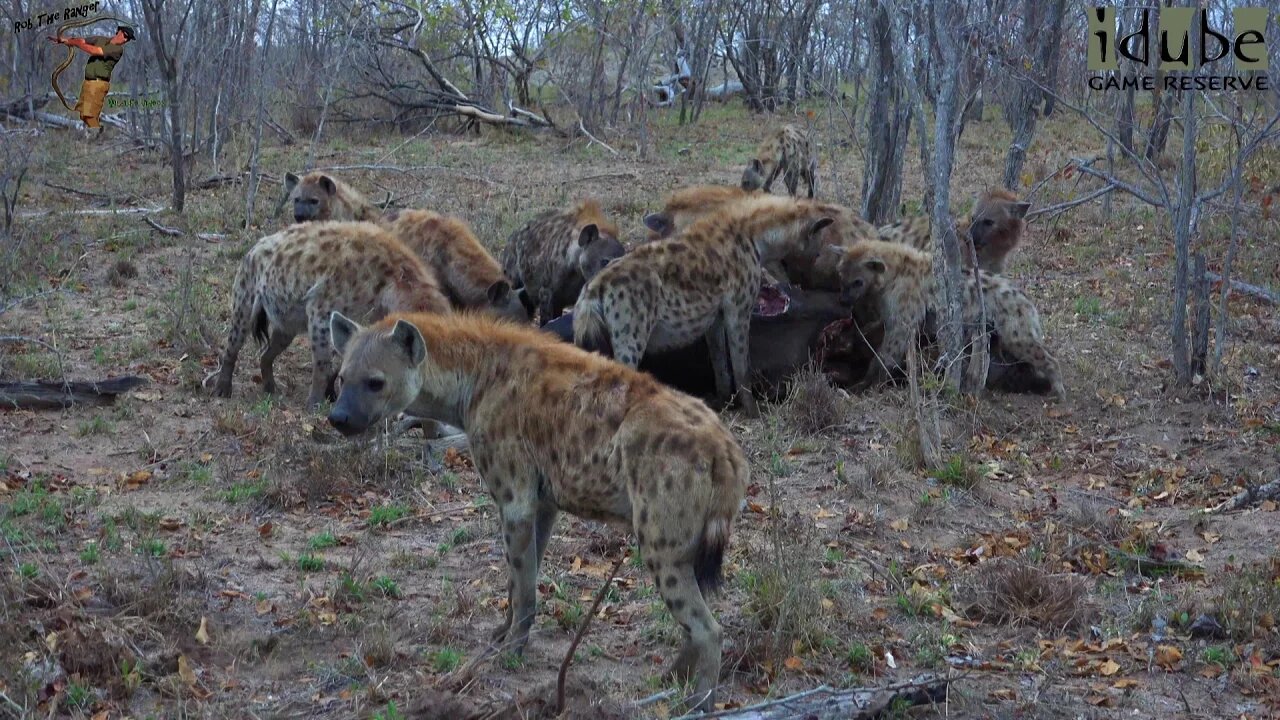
{"x":104,"y":53}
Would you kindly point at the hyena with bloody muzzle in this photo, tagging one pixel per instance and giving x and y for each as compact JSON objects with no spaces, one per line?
{"x":704,"y":282}
{"x":788,"y":151}
{"x":552,"y":429}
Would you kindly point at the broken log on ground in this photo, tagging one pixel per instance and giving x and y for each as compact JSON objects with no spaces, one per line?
{"x":826,"y":703}
{"x":1249,"y":496}
{"x":40,"y":395}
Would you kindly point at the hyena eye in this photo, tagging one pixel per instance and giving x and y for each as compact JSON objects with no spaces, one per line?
{"x":375,"y":384}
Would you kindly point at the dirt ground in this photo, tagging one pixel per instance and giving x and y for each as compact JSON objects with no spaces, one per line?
{"x":176,"y":555}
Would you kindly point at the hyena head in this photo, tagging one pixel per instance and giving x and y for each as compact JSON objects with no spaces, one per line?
{"x":997,"y":223}
{"x":504,"y":302}
{"x":379,"y":374}
{"x":753,"y":177}
{"x":861,"y":273}
{"x":596,"y":250}
{"x":311,"y":196}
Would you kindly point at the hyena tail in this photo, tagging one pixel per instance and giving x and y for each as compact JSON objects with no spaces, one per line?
{"x":590,"y":331}
{"x":261,"y":325}
{"x":730,"y":481}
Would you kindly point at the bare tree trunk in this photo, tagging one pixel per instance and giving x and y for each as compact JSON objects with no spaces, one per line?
{"x":1200,"y":299}
{"x":888,"y":125}
{"x":946,"y":260}
{"x":1233,"y":244}
{"x":1022,"y":109}
{"x":1182,"y":218}
{"x":260,"y":60}
{"x":165,"y":50}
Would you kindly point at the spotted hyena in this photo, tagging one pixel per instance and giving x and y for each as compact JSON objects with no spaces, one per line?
{"x":557,"y":252}
{"x":899,"y":282}
{"x":994,"y":229}
{"x":289,"y":282}
{"x":468,"y":274}
{"x":703,"y":283}
{"x":787,"y":151}
{"x":555,"y":428}
{"x":687,"y":204}
{"x":319,"y":196}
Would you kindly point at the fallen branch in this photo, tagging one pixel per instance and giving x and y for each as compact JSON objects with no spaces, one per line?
{"x":38,"y":395}
{"x":94,"y":211}
{"x":1144,"y":565}
{"x":86,"y":193}
{"x":582,"y":630}
{"x":583,"y":129}
{"x":170,"y":231}
{"x":1054,"y":210}
{"x":620,"y":176}
{"x":1255,"y":291}
{"x":825,"y":703}
{"x":1250,"y":495}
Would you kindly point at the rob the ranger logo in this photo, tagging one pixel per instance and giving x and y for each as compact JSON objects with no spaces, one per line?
{"x":1173,"y":50}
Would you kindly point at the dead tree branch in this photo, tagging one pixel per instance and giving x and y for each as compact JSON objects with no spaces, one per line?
{"x":1251,"y":495}
{"x":825,"y":703}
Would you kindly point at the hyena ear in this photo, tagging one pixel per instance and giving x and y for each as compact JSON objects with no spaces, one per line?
{"x":406,"y":336}
{"x":290,"y":182}
{"x":1019,"y":210}
{"x":590,"y":234}
{"x":875,"y":265}
{"x":341,"y":330}
{"x":756,"y":166}
{"x":659,"y":223}
{"x":326,"y":182}
{"x":499,"y":292}
{"x":819,"y":225}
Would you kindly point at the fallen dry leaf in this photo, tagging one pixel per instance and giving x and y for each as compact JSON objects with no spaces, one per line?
{"x":185,"y":672}
{"x":793,"y":663}
{"x":1125,"y":683}
{"x":1108,"y":667}
{"x":900,"y":524}
{"x":1167,"y":656}
{"x":202,"y":635}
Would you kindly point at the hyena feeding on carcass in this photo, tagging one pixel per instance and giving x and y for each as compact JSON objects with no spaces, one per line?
{"x":554,"y":428}
{"x":290,"y":282}
{"x":993,"y":230}
{"x":703,"y":283}
{"x":788,"y":151}
{"x":555,"y":254}
{"x":468,"y":274}
{"x":898,"y":280}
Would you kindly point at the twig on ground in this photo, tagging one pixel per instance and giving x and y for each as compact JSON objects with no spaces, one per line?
{"x":583,"y":129}
{"x":1250,"y":495}
{"x":582,"y":630}
{"x":170,"y":231}
{"x":1255,"y":291}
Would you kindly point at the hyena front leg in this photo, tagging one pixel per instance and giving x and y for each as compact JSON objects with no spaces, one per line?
{"x":526,"y":528}
{"x":323,"y":370}
{"x":729,"y":346}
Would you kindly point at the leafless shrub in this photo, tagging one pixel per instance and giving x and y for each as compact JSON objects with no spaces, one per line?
{"x":1016,"y":593}
{"x":783,"y":602}
{"x":121,"y":272}
{"x":812,"y":404}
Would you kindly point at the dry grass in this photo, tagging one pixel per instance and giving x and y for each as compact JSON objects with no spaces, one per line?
{"x":813,"y":405}
{"x":1018,"y":594}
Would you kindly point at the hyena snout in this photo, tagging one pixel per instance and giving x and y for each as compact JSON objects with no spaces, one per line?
{"x":348,"y":419}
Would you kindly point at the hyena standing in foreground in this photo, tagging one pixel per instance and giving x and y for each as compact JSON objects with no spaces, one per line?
{"x":994,"y":228}
{"x":317,"y":196}
{"x":557,"y":252}
{"x":290,"y":282}
{"x":554,"y":428}
{"x":899,"y":281}
{"x":704,"y":282}
{"x":788,"y":151}
{"x":467,"y":272}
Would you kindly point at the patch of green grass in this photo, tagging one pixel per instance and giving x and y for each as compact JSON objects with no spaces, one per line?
{"x":446,"y":660}
{"x":448,"y":480}
{"x":79,"y":696}
{"x":244,"y":491}
{"x":958,"y":472}
{"x":100,"y":356}
{"x":197,"y":473}
{"x":860,"y":658}
{"x":1220,"y":655}
{"x":96,"y":426}
{"x":28,"y":571}
{"x":1088,"y":307}
{"x":90,"y":554}
{"x":386,"y":514}
{"x":512,"y":661}
{"x":130,"y":305}
{"x":386,"y":586}
{"x":310,"y":563}
{"x":324,"y":540}
{"x":153,"y":547}
{"x":461,"y":536}
{"x":264,"y":406}
{"x":34,"y":366}
{"x":388,"y":713}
